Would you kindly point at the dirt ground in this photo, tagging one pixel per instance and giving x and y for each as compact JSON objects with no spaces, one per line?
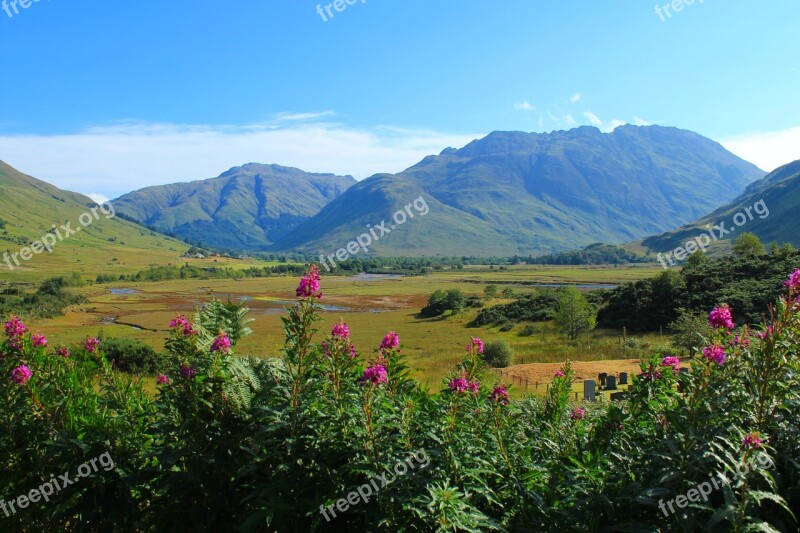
{"x":543,"y":372}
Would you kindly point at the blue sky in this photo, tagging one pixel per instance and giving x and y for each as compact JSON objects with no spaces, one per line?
{"x":105,"y":97}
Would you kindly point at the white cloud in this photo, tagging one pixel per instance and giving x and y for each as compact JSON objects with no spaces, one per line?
{"x":575,"y":98}
{"x":112,"y":160}
{"x":640,"y":122}
{"x":594,"y":119}
{"x":767,"y":150}
{"x":525,"y":106}
{"x":570,"y":121}
{"x":614,"y":124}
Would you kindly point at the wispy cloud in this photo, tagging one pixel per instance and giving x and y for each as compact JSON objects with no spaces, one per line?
{"x":525,"y":106}
{"x":110,"y":160}
{"x":575,"y":98}
{"x":593,"y":119}
{"x":767,"y":150}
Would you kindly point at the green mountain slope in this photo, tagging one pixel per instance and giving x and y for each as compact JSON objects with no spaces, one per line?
{"x":246,"y":208}
{"x":30,"y":207}
{"x":528,"y":193}
{"x":777,"y":221}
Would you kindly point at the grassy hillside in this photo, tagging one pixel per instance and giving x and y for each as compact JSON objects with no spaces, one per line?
{"x":246,"y":208}
{"x":779,"y":192}
{"x":526,"y":193}
{"x":30,"y":207}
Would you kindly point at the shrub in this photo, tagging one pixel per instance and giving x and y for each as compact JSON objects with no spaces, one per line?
{"x":527,"y":331}
{"x":498,"y":354}
{"x":132,"y":356}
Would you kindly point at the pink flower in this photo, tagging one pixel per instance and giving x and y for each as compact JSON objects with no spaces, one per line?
{"x":794,"y":281}
{"x":15,"y":327}
{"x":162,"y":379}
{"x":180,"y":322}
{"x":752,"y":441}
{"x":476,"y":344}
{"x":743,"y":342}
{"x":767,"y":333}
{"x":461,"y":384}
{"x":187,"y":372}
{"x":720,"y":317}
{"x":559,"y":374}
{"x":62,"y":351}
{"x":38,"y":340}
{"x":500,"y":395}
{"x":21,"y":375}
{"x":353,"y":352}
{"x":91,"y":345}
{"x":715,"y":353}
{"x":458,"y":385}
{"x":221,"y":343}
{"x":390,"y":341}
{"x":309,"y":284}
{"x":341,"y":330}
{"x":579,"y":413}
{"x":672,"y":361}
{"x":375,"y":374}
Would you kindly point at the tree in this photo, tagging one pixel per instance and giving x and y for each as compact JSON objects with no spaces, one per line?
{"x":490,"y":290}
{"x":456,"y":301}
{"x":748,"y":245}
{"x":691,"y":330}
{"x":498,"y":354}
{"x":508,"y":292}
{"x":437,"y":304}
{"x":574,"y":315}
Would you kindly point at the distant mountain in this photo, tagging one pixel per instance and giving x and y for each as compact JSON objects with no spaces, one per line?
{"x":29,"y":208}
{"x":246,"y":208}
{"x":529,"y":193}
{"x":773,"y":203}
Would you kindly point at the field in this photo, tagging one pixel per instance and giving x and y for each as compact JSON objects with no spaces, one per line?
{"x":371,"y":305}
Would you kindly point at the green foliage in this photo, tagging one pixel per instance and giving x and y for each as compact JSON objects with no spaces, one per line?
{"x":690,"y":331}
{"x":490,"y":290}
{"x":536,"y":307}
{"x":574,"y":315}
{"x":231,"y":318}
{"x":498,"y":354}
{"x":747,"y":284}
{"x":235,"y":444}
{"x":441,"y":301}
{"x":48,"y":301}
{"x":594,"y":254}
{"x":748,"y":245}
{"x":132,"y":356}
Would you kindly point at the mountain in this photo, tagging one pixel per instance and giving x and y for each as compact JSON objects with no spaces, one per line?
{"x":529,"y":193}
{"x":768,"y":208}
{"x":246,"y":208}
{"x":101,"y":242}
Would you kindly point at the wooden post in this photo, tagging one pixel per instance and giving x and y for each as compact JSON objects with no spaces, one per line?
{"x":624,"y":333}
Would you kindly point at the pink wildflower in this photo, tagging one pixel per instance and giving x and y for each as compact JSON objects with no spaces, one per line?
{"x":390,"y":341}
{"x":309,"y":284}
{"x":559,"y":374}
{"x":21,"y":375}
{"x":221,"y":343}
{"x":794,"y":280}
{"x":62,"y":351}
{"x":15,"y":327}
{"x":187,"y":372}
{"x":162,"y":379}
{"x":720,"y":317}
{"x":341,"y":330}
{"x":476,"y":344}
{"x":375,"y":374}
{"x":715,"y":353}
{"x":38,"y":340}
{"x":458,"y":385}
{"x":500,"y":395}
{"x":672,"y":361}
{"x":579,"y":413}
{"x":180,"y":322}
{"x":767,"y":333}
{"x":752,"y":441}
{"x":91,"y":345}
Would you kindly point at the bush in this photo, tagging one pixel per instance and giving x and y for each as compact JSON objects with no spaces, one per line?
{"x":498,"y":354}
{"x":527,"y":331}
{"x":131,"y":356}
